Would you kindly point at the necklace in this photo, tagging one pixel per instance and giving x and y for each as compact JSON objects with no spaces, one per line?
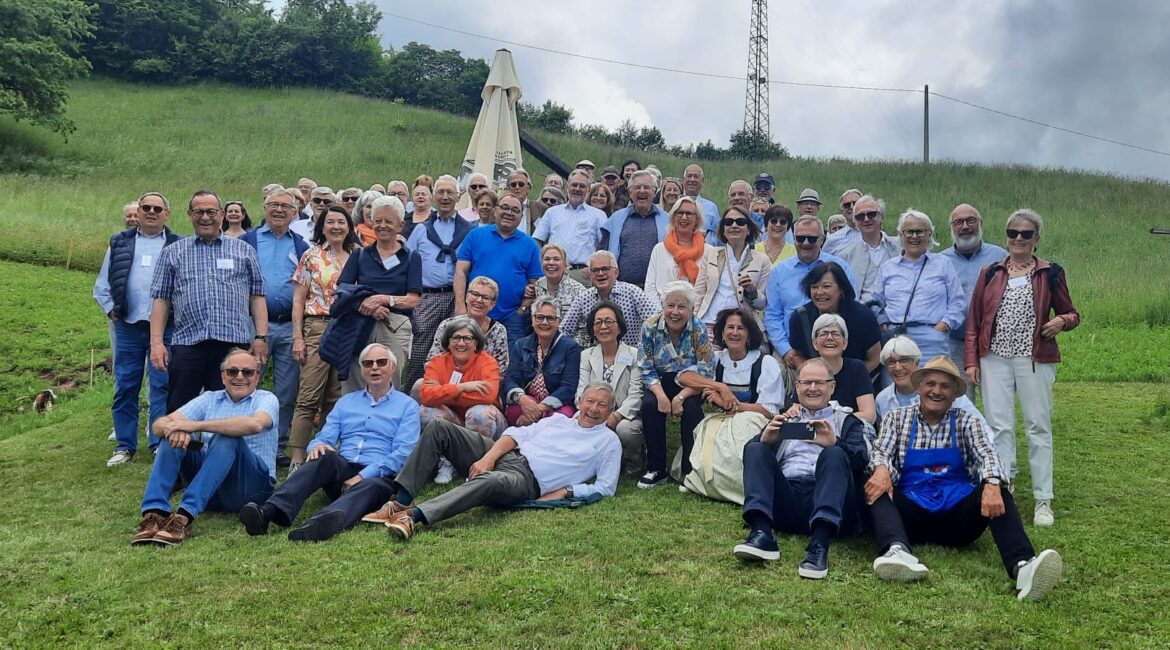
{"x":1013,"y":267}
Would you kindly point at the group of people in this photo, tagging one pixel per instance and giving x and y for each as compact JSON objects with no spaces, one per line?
{"x":540,"y":349}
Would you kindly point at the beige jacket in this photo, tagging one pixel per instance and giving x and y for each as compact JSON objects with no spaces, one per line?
{"x":627,"y":385}
{"x":713,"y":269}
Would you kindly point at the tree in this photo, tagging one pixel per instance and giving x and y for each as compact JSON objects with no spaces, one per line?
{"x":151,"y":40}
{"x":756,"y":146}
{"x":40,"y":43}
{"x":551,"y":117}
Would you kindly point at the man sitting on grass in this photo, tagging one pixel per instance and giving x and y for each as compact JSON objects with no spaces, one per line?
{"x":232,"y":463}
{"x":804,"y":486}
{"x":937,"y":479}
{"x":549,"y":460}
{"x":368,"y":435}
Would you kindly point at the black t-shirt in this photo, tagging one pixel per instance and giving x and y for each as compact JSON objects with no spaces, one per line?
{"x":852,"y":382}
{"x":863,"y":330}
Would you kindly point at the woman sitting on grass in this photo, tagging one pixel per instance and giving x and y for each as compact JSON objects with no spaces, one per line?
{"x":616,"y":364}
{"x":542,"y":369}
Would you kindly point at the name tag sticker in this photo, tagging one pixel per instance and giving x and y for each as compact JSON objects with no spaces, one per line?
{"x":625,"y":358}
{"x":390,"y":262}
{"x":146,"y":260}
{"x":225,"y":264}
{"x":1016,"y":283}
{"x":456,"y":377}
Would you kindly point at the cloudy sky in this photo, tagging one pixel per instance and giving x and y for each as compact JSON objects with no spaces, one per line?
{"x":1085,"y":65}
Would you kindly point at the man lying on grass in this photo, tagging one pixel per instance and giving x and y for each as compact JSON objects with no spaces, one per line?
{"x":938,"y":479}
{"x":549,"y":460}
{"x":231,"y":463}
{"x":367,"y":436}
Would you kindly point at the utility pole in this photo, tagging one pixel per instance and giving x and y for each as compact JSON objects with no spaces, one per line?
{"x":755,"y":114}
{"x":926,"y":124}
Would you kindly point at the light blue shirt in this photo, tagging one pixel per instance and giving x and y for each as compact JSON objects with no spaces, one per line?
{"x":278,"y":262}
{"x":711,"y":217}
{"x":138,"y":300}
{"x":561,"y":454}
{"x":836,"y":243}
{"x":938,"y":298}
{"x":435,"y":274}
{"x":785,"y":295}
{"x":377,"y":433}
{"x":216,"y":405}
{"x":968,"y":267}
{"x":577,"y":229}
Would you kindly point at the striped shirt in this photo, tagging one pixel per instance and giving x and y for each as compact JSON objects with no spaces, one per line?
{"x":216,"y":405}
{"x":210,"y":285}
{"x":974,"y":442}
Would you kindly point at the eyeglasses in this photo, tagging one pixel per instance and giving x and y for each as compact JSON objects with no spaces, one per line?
{"x":479,"y":296}
{"x":279,"y":207}
{"x":208,"y":212}
{"x":866,"y":216}
{"x":901,"y":361}
{"x":848,"y":206}
{"x":738,"y":221}
{"x":381,"y":363}
{"x":545,"y":318}
{"x":685,"y":213}
{"x":155,"y":209}
{"x":600,"y":270}
{"x":830,"y":334}
{"x":515,"y":211}
{"x":968,"y":221}
{"x":248,"y":373}
{"x":462,"y":338}
{"x":320,"y":201}
{"x":517,"y":184}
{"x":548,"y":200}
{"x":806,"y":239}
{"x":915,"y":233}
{"x":605,"y":322}
{"x":814,"y":383}
{"x":400,"y":194}
{"x":1012,"y":233}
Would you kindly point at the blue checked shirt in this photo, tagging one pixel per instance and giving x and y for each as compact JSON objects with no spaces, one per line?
{"x":210,"y":286}
{"x":379,"y":434}
{"x":216,"y":405}
{"x":889,"y":449}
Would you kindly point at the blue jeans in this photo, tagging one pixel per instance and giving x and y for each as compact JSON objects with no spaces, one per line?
{"x":131,"y":357}
{"x":286,"y":376}
{"x":221,"y":477}
{"x":518,"y":326}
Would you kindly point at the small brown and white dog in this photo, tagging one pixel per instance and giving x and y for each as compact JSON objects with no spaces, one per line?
{"x":44,"y":401}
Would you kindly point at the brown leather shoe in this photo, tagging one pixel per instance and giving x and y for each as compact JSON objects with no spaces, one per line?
{"x":147,"y":529}
{"x":401,"y":526}
{"x":174,"y":530}
{"x":384,"y":514}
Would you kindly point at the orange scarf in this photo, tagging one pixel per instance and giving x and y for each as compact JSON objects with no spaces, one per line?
{"x":366,"y":232}
{"x":685,"y":256}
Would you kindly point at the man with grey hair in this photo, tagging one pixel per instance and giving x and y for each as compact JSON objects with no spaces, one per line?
{"x":575,"y":225}
{"x":968,"y":255}
{"x":437,"y":242}
{"x":808,"y":203}
{"x":519,"y":184}
{"x":368,"y":436}
{"x":871,"y":248}
{"x":739,"y":195}
{"x":637,"y":306}
{"x":401,"y":191}
{"x":320,"y":199}
{"x":848,"y":235}
{"x":631,"y":233}
{"x":692,"y":182}
{"x":550,"y":460}
{"x":279,"y":250}
{"x":476,"y":183}
{"x":306,"y":186}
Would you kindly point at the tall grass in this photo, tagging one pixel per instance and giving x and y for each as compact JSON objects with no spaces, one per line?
{"x":60,"y":201}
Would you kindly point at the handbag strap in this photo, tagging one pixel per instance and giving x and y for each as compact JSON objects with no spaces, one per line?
{"x":914,"y":288}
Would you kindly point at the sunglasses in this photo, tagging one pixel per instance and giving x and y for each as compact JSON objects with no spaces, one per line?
{"x":807,"y":239}
{"x":1012,"y":233}
{"x":479,"y":187}
{"x":322,"y":201}
{"x":248,"y":373}
{"x":517,"y":184}
{"x":866,"y":216}
{"x":738,"y":221}
{"x":849,"y":205}
{"x":381,"y":363}
{"x":549,"y":201}
{"x":349,"y":199}
{"x":155,"y":209}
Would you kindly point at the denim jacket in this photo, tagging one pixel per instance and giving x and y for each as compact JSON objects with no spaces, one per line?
{"x":562,"y":366}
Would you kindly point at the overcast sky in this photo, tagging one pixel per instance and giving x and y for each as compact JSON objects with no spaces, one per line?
{"x":1086,"y":65}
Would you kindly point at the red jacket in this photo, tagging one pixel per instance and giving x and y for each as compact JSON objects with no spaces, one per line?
{"x":1047,"y":296}
{"x":437,"y":391}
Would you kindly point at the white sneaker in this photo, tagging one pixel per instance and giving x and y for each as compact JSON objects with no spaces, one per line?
{"x":1043,"y":515}
{"x":446,"y":472}
{"x":1038,"y":577}
{"x":113,"y":437}
{"x":899,"y":566}
{"x":120,"y":458}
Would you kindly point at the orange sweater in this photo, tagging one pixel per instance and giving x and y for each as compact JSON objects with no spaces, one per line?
{"x":437,"y":391}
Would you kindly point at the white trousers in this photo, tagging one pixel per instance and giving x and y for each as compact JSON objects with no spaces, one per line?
{"x":1001,"y":380}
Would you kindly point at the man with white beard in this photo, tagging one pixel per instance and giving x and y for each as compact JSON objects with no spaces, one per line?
{"x":968,"y":255}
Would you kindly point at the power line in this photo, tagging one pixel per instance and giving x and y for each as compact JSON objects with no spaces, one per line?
{"x":712,"y":75}
{"x":1050,"y":126}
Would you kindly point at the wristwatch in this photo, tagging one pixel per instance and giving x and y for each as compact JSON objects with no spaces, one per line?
{"x":261,"y":337}
{"x":390,"y":301}
{"x":569,"y":490}
{"x":992,"y":481}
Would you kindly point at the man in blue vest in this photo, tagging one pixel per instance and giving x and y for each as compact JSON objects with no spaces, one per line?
{"x":632,"y":232}
{"x":122,"y":290}
{"x":279,"y":250}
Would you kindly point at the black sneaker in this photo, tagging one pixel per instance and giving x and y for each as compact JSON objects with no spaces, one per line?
{"x":759,"y":545}
{"x":252,"y":516}
{"x":650,"y":479}
{"x":816,"y":563}
{"x":283,"y":461}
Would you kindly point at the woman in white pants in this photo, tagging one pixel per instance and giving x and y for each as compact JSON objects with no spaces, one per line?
{"x":1018,"y":307}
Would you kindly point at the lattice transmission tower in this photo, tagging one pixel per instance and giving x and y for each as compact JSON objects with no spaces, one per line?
{"x":755,"y":112}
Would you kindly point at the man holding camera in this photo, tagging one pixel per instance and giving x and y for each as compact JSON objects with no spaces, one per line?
{"x":800,"y":475}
